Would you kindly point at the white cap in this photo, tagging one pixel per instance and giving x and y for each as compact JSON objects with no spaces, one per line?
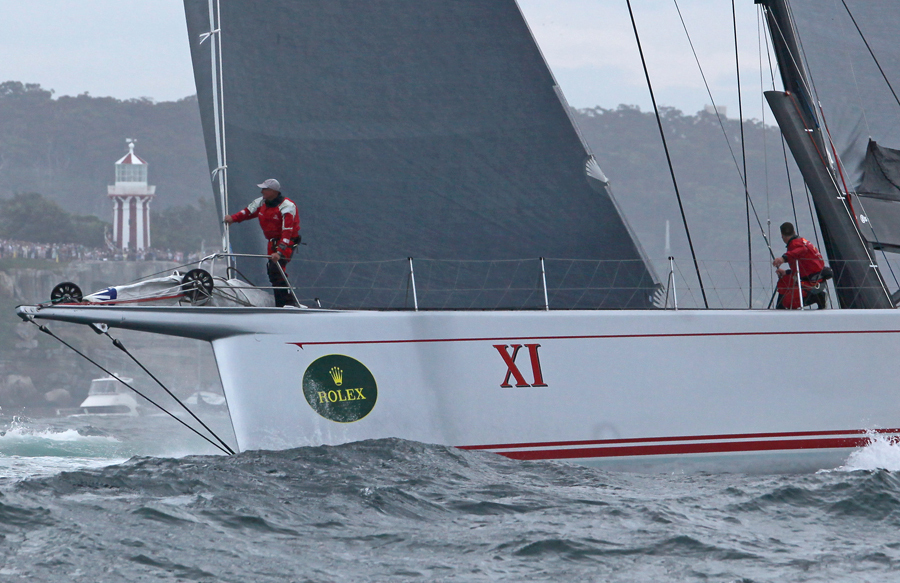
{"x":272,"y":184}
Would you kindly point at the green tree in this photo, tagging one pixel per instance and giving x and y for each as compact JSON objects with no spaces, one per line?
{"x":185,"y":228}
{"x":31,"y":217}
{"x":88,"y":230}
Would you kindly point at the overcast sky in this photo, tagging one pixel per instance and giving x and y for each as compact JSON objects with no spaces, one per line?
{"x":131,"y":48}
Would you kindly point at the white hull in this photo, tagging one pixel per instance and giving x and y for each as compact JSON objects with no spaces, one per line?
{"x":107,"y":397}
{"x":118,"y":404}
{"x":710,"y":390}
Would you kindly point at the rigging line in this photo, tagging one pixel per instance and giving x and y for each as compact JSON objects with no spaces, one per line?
{"x":118,"y":344}
{"x":835,"y":164}
{"x":762,"y":108}
{"x":721,"y":125}
{"x":762,"y":230}
{"x":222,"y":107}
{"x":855,"y":80}
{"x":217,"y":82}
{"x":874,"y":58}
{"x":809,"y":203}
{"x":689,"y":289}
{"x":847,"y":193}
{"x":668,"y":156}
{"x":709,"y":92}
{"x":845,"y":203}
{"x":877,"y":241}
{"x":814,"y":91}
{"x":49,"y":332}
{"x":803,"y":82}
{"x":787,"y":166}
{"x":737,"y":67}
{"x":827,"y":164}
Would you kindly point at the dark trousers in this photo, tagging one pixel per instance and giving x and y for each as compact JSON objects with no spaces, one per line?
{"x":283,"y":296}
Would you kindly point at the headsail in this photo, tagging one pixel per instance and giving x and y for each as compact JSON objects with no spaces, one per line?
{"x":412,"y":128}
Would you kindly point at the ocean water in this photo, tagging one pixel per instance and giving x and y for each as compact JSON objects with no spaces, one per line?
{"x":131,"y":499}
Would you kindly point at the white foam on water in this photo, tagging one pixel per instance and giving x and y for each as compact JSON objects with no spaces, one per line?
{"x":882,"y":453}
{"x":21,"y":467}
{"x":66,"y":435}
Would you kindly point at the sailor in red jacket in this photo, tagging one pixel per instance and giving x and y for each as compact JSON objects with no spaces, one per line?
{"x":804,"y":259}
{"x":281,"y":226}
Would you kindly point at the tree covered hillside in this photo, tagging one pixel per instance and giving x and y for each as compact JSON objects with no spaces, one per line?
{"x":627,"y":145}
{"x":65,"y":148}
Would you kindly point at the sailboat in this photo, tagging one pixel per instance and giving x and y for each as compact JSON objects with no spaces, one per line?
{"x":430,"y":144}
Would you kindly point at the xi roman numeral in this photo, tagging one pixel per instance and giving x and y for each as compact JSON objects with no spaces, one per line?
{"x":513,"y":371}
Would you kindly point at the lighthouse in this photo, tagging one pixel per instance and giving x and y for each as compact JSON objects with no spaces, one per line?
{"x":131,"y":196}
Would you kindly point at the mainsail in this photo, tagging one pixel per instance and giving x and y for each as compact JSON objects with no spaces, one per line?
{"x":857,"y":95}
{"x":829,"y":94}
{"x":413,"y":128}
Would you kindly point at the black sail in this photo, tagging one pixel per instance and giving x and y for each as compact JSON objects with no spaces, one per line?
{"x":857,"y":95}
{"x":857,"y":101}
{"x":414,"y":128}
{"x":828,"y":93}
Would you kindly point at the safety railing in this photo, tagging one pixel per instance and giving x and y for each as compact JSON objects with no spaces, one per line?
{"x":727,"y":286}
{"x":520,"y":284}
{"x":213,"y":259}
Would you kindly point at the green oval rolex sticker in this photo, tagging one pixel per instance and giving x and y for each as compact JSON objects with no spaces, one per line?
{"x":339,"y":388}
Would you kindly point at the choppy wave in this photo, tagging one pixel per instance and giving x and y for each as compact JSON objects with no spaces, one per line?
{"x":98,"y":438}
{"x":882,"y":453}
{"x":392,"y":510}
{"x":22,"y":437}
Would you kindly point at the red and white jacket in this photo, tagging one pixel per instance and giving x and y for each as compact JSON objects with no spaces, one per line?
{"x":803,"y":257}
{"x":280,"y":223}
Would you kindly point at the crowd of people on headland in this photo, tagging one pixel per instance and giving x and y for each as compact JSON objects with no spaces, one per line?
{"x":64,"y":252}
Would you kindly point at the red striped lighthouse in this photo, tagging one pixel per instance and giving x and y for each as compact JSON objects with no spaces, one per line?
{"x":131,"y":196}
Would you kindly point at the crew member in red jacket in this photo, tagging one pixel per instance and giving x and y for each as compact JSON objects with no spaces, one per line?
{"x":804,"y":259}
{"x":281,"y":226}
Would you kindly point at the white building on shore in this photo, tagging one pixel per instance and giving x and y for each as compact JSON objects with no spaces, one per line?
{"x":131,"y":196}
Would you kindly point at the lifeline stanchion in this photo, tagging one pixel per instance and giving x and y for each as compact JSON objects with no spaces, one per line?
{"x":46,"y":330}
{"x":412,"y":279}
{"x":284,"y":277}
{"x":544,"y":281}
{"x":670,"y":284}
{"x":118,"y":344}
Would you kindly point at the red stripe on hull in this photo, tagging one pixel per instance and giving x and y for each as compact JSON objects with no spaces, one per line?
{"x":730,"y":436}
{"x":595,"y":337}
{"x":687,"y":448}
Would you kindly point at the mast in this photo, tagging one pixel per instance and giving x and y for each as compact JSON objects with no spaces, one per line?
{"x":220,"y":172}
{"x":857,"y":277}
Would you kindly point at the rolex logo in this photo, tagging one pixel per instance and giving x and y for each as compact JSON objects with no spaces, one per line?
{"x":322,"y":388}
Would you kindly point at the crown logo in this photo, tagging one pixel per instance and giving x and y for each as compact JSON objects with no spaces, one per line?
{"x":337,"y":375}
